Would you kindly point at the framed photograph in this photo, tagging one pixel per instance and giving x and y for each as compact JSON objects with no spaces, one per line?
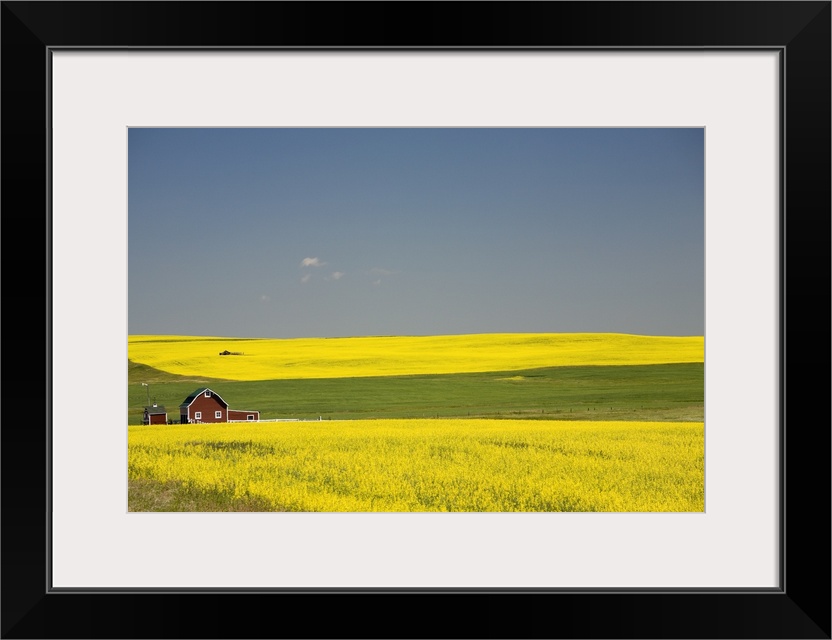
{"x":720,"y":109}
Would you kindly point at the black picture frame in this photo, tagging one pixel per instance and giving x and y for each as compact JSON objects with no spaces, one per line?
{"x":799,"y":608}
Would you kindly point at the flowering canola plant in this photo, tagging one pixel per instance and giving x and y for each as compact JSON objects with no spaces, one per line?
{"x":295,"y":358}
{"x":461,"y":465}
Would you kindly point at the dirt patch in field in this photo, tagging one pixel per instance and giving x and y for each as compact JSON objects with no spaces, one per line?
{"x":150,"y":495}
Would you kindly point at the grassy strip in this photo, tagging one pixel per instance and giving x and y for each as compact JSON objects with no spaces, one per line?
{"x":667,"y":392}
{"x":151,"y":495}
{"x":138,"y":373}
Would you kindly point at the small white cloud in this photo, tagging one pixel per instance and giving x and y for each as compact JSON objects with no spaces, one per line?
{"x":377,"y":271}
{"x":312,"y":262}
{"x":305,"y":278}
{"x":337,"y":275}
{"x":264,"y":298}
{"x":380,"y":275}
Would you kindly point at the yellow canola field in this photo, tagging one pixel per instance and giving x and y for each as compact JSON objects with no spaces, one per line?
{"x":274,"y":359}
{"x":462,"y":465}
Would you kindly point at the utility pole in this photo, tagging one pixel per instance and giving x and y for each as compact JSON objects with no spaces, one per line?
{"x":144,"y":384}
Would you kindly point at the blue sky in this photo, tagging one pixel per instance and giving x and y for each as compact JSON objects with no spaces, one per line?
{"x":340,"y":232}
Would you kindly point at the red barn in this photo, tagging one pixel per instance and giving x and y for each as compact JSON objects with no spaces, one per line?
{"x":155,"y":415}
{"x":238,"y":414}
{"x":204,"y":405}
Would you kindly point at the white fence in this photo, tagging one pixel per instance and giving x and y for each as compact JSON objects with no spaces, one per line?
{"x":281,"y":420}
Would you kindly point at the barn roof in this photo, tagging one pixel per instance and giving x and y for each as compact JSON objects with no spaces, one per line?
{"x":198,"y":393}
{"x":155,"y":410}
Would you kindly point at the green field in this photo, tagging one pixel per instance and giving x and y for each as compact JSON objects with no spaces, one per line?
{"x":584,"y":435}
{"x":661,"y":392}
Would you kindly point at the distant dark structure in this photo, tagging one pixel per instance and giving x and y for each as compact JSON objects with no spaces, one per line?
{"x":231,"y":353}
{"x":155,"y":415}
{"x":203,"y":405}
